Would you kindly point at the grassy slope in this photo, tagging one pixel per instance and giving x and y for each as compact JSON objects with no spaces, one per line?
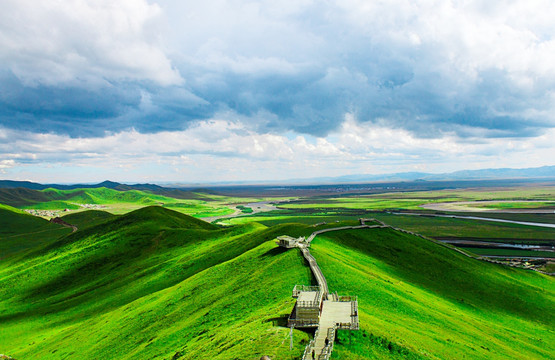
{"x":20,"y":196}
{"x":20,"y":231}
{"x":88,"y":218}
{"x":418,"y":299}
{"x":150,"y":284}
{"x":437,"y":227}
{"x":117,"y":202}
{"x":157,"y":284}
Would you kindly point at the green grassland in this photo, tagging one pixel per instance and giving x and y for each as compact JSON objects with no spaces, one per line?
{"x":89,"y":218}
{"x":152,"y":284}
{"x":356,"y":203}
{"x":199,"y":205}
{"x":435,"y":227}
{"x":518,"y":205}
{"x":138,"y":281}
{"x":158,"y":284}
{"x":412,"y":200}
{"x":113,"y":201}
{"x":532,"y":192}
{"x":509,"y":252}
{"x":20,"y":232}
{"x":438,"y":227}
{"x":421,"y":300}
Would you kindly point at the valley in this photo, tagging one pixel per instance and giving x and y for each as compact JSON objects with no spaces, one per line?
{"x":143,"y":276}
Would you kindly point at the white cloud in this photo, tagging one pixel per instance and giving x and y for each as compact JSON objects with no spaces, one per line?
{"x":440,"y":85}
{"x":4,"y":164}
{"x":91,"y":41}
{"x":218,"y":150}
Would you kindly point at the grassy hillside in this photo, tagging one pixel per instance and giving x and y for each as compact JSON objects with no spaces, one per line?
{"x":152,"y":284}
{"x":17,"y":197}
{"x":421,"y":300}
{"x":114,"y":201}
{"x":157,"y":284}
{"x":88,"y":218}
{"x":20,"y":232}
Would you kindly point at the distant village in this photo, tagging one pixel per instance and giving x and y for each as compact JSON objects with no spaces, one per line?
{"x":56,"y":213}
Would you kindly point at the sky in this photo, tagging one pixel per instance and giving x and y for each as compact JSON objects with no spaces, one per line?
{"x":199,"y":92}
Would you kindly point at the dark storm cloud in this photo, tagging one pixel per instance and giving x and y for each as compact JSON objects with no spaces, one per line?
{"x":78,"y":111}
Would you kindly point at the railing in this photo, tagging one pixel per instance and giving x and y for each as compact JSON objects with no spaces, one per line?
{"x":354,"y":322}
{"x":345,"y":326}
{"x":326,"y":351}
{"x":354,"y":314}
{"x":307,"y":352}
{"x":301,"y":323}
{"x":354,"y":306}
{"x":301,"y":288}
{"x":317,"y":272}
{"x":309,"y":304}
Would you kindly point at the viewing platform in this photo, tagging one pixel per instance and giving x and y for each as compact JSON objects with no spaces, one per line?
{"x":316,"y":307}
{"x":306,"y":312}
{"x":289,"y":242}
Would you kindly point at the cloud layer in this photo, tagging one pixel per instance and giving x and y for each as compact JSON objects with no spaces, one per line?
{"x":461,"y":73}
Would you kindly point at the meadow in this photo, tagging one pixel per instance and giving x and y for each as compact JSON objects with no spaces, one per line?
{"x":158,"y":284}
{"x":62,"y":202}
{"x":470,"y":308}
{"x":142,"y":279}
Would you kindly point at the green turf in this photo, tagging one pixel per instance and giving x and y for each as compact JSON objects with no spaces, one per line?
{"x":113,"y":201}
{"x":88,"y":218}
{"x":20,"y":232}
{"x":509,"y":252}
{"x":518,"y":205}
{"x":418,"y":299}
{"x":157,"y":284}
{"x":245,"y":209}
{"x":152,"y":284}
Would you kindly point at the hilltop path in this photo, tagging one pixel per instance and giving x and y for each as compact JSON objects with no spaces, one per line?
{"x":333,"y":312}
{"x":330,"y":310}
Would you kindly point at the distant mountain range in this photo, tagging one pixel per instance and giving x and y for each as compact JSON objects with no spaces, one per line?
{"x":155,"y":189}
{"x":106,"y":184}
{"x":544,"y":172}
{"x":538,"y":173}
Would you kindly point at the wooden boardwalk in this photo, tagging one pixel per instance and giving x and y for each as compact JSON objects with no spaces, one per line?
{"x":335,"y":312}
{"x":339,"y":312}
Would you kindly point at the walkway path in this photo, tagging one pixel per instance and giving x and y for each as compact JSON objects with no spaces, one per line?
{"x":334,"y":311}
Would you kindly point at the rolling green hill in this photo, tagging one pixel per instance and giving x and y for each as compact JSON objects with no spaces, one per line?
{"x":150,"y":284}
{"x":88,"y":218}
{"x":418,"y":299}
{"x":56,"y":199}
{"x":20,"y":232}
{"x":116,"y":201}
{"x":157,"y":284}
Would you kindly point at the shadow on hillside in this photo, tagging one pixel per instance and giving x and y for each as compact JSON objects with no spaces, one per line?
{"x":274,"y":252}
{"x":279,"y":321}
